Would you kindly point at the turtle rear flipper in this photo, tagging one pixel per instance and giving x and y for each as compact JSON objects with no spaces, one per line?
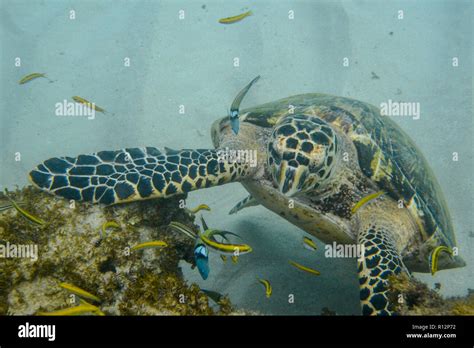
{"x":111,"y":177}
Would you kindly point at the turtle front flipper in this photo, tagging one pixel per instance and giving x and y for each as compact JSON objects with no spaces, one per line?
{"x":112,"y":177}
{"x":380,"y":234}
{"x":380,"y":260}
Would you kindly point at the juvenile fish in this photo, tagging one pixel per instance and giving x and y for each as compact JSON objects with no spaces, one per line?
{"x":304,"y":268}
{"x":433,"y":259}
{"x":199,"y":208}
{"x":178,"y":226}
{"x":366,"y":200}
{"x":79,"y":292}
{"x":77,"y":310}
{"x":88,"y":104}
{"x":106,"y":225}
{"x":83,"y":308}
{"x":30,"y":77}
{"x":233,"y":19}
{"x":226,"y":248}
{"x":234,"y":108}
{"x":268,"y":287}
{"x":23,"y":212}
{"x":151,"y":244}
{"x":309,"y":244}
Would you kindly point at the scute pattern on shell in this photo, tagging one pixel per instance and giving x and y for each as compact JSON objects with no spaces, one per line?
{"x":386,"y":154}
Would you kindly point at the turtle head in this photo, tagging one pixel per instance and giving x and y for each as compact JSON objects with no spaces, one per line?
{"x":301,"y":154}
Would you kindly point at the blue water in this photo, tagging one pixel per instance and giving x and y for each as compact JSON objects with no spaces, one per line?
{"x":189,"y":62}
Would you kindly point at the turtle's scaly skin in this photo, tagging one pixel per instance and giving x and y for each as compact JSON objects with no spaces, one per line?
{"x":111,"y":177}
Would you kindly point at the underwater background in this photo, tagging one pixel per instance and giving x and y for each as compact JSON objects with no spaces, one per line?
{"x":190,"y":62}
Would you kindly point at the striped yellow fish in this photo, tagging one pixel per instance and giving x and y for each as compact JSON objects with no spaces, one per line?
{"x":88,"y":104}
{"x":79,"y":292}
{"x":365,"y":200}
{"x":433,"y":259}
{"x":84,"y":308}
{"x":234,"y":259}
{"x":304,"y":268}
{"x":151,"y":244}
{"x":224,"y":247}
{"x":224,"y":258}
{"x":77,"y":310}
{"x":23,"y":212}
{"x":267,"y":285}
{"x":233,"y":19}
{"x":106,"y":225}
{"x":177,"y":226}
{"x":309,"y":244}
{"x":30,"y":77}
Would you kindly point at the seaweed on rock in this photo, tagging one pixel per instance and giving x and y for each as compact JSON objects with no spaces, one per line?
{"x":71,"y":250}
{"x":412,"y":297}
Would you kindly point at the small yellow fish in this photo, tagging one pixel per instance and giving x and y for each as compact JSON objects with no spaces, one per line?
{"x":88,"y":103}
{"x":83,"y":308}
{"x":151,"y":244}
{"x":107,"y":225}
{"x":79,"y":292}
{"x":199,"y":208}
{"x":77,"y":310}
{"x":225,"y":248}
{"x":30,"y":77}
{"x":304,"y":268}
{"x":366,"y":200}
{"x":233,"y":19}
{"x":268,"y":287}
{"x":234,"y":259}
{"x":433,"y":259}
{"x":224,"y":258}
{"x":23,"y":212}
{"x":309,"y":244}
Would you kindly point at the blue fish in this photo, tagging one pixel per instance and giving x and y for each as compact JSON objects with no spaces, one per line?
{"x":201,"y":257}
{"x":234,"y":121}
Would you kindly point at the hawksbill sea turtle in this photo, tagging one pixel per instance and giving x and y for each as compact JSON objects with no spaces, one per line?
{"x":325,"y":153}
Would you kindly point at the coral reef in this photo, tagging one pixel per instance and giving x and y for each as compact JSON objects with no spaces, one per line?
{"x":413,"y":297}
{"x":72,"y":250}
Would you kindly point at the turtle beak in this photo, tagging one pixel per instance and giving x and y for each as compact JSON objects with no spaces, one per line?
{"x":446,"y":261}
{"x":290,"y":179}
